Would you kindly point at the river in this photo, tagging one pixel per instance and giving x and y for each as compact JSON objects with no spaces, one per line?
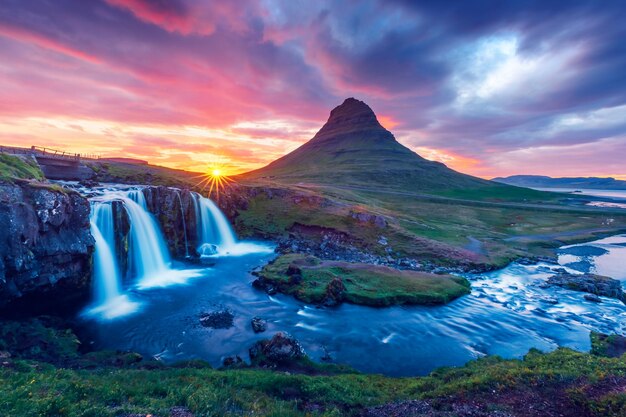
{"x":507,"y":313}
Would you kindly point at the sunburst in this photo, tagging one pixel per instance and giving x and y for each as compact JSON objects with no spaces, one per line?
{"x":215,"y":179}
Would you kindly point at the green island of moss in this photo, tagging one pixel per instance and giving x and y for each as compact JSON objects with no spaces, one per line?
{"x":315,"y":281}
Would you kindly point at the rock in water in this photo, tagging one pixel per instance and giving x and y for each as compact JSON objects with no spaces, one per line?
{"x":280,"y":349}
{"x":258,"y":325}
{"x":590,"y":283}
{"x":222,"y":319}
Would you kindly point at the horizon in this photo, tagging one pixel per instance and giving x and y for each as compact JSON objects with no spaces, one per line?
{"x":488,"y":91}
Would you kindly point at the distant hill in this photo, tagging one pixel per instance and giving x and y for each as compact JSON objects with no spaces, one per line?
{"x":354,"y":149}
{"x":539,"y":181}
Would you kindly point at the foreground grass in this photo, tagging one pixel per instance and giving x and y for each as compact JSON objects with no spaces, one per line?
{"x":583,"y":385}
{"x":13,"y":167}
{"x":315,"y":281}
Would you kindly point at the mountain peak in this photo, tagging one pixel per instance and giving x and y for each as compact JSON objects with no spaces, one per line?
{"x":351,"y":115}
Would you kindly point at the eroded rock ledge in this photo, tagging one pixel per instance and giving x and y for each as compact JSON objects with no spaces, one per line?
{"x":45,"y":248}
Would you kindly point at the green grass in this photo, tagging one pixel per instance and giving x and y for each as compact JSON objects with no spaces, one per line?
{"x":364,"y":284}
{"x":13,"y":167}
{"x":30,"y":388}
{"x":127,"y":173}
{"x":430,"y":228}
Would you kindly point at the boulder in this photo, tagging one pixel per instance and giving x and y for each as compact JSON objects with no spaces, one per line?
{"x":589,"y":283}
{"x":221,"y":319}
{"x":258,"y":324}
{"x":280,"y":349}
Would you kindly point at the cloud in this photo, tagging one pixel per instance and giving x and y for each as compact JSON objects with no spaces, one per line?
{"x":481,"y":84}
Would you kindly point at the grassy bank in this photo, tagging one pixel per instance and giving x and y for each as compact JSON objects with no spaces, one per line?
{"x":442,"y":230}
{"x":315,"y":281}
{"x":563,"y":382}
{"x":14,"y":167}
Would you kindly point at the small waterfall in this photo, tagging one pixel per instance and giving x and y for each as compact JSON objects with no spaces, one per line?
{"x":110,"y":302}
{"x":213,"y":227}
{"x":106,"y":272}
{"x":182,"y":213}
{"x":148,"y":251}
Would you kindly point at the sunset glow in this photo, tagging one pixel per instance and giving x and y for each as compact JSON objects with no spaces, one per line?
{"x":182,"y":83}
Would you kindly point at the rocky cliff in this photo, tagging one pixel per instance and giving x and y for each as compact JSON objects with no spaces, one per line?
{"x":45,"y":248}
{"x":174,"y":210}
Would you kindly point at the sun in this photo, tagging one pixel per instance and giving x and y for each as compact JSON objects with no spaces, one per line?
{"x":215,"y":179}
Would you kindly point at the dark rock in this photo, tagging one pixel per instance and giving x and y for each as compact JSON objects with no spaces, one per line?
{"x":593,"y":298}
{"x":258,"y":324}
{"x":280,"y":349}
{"x":175,"y":212}
{"x":221,"y":319}
{"x":233,"y":361}
{"x":45,"y":249}
{"x":590,"y":283}
{"x":335,"y":293}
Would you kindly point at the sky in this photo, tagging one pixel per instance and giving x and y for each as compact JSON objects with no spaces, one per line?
{"x":490,"y":88}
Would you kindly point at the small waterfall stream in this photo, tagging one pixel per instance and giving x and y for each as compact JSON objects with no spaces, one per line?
{"x":106,"y":271}
{"x":213,"y":228}
{"x":148,"y":252}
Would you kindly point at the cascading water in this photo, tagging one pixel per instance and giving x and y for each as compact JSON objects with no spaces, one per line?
{"x":110,"y":302}
{"x":214,"y":231}
{"x":106,"y":271}
{"x":216,"y":236}
{"x":148,"y":252}
{"x":148,"y":257}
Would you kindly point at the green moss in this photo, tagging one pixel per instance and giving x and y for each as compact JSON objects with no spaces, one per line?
{"x":14,"y":167}
{"x":308,"y":279}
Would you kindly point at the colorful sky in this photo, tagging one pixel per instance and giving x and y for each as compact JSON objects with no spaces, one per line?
{"x":489,"y":87}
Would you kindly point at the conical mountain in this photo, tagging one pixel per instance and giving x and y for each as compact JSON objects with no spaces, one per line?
{"x":354,"y":149}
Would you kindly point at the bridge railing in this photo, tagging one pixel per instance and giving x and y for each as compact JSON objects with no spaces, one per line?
{"x":47,"y":153}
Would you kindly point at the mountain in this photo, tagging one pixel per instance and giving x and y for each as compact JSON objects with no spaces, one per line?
{"x":539,"y":181}
{"x":354,"y":149}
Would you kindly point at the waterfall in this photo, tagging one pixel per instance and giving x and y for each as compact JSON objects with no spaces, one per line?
{"x":109,"y":300}
{"x":106,"y":272}
{"x":148,"y":252}
{"x":182,"y":213}
{"x":213,"y":227}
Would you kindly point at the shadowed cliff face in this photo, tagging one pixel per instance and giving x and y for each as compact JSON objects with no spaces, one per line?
{"x":45,"y":249}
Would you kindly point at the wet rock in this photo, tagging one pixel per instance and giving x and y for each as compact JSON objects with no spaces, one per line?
{"x":593,"y":298}
{"x":548,"y":299}
{"x":221,"y":319}
{"x":207,"y":249}
{"x":589,"y":283}
{"x":258,"y":324}
{"x":45,"y":249}
{"x":280,"y":349}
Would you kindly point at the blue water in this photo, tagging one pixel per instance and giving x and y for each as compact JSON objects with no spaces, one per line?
{"x":506,"y":314}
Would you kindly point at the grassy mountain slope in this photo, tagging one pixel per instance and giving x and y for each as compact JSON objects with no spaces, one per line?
{"x":352,"y":148}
